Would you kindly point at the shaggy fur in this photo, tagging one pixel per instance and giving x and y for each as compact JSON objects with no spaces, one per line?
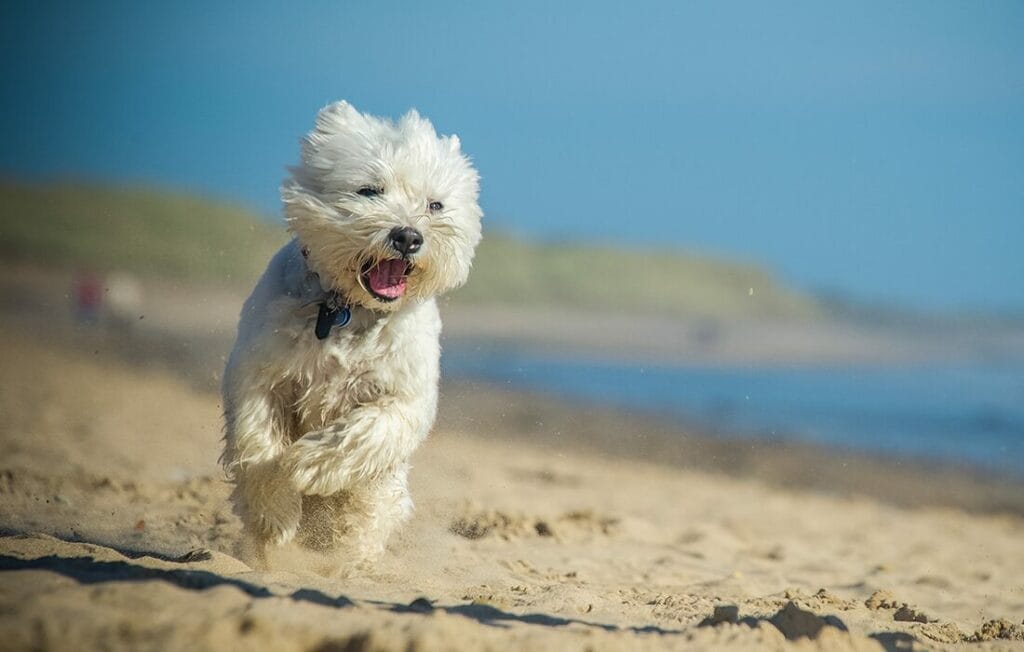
{"x":319,"y":432}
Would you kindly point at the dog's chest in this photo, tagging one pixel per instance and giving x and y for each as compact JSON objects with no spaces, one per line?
{"x":331,"y":377}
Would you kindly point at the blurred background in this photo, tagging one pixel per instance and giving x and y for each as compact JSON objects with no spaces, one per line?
{"x":760,"y":222}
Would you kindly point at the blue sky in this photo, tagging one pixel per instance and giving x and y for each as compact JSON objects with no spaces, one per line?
{"x":871,"y":148}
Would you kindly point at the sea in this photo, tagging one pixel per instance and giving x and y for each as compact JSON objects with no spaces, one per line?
{"x":966,"y":414}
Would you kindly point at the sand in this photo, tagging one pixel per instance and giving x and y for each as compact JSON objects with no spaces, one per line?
{"x":539,"y":524}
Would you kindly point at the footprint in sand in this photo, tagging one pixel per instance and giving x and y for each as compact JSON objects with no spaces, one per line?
{"x":481,"y":523}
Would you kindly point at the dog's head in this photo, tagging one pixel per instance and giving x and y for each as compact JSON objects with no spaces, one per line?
{"x":386,"y":211}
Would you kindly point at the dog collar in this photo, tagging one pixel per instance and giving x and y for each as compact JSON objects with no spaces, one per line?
{"x":332,"y":313}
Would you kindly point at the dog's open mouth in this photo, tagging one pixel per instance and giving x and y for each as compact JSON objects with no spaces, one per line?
{"x":385,"y":280}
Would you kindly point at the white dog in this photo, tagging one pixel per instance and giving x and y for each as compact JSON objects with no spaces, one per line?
{"x":332,"y":382}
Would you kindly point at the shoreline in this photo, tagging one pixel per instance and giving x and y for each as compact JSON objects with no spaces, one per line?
{"x":558,"y":423}
{"x":195,"y":352}
{"x":562,"y":424}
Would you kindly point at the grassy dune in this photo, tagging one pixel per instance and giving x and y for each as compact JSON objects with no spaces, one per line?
{"x":163,"y":234}
{"x":603,"y":278}
{"x":150,"y":232}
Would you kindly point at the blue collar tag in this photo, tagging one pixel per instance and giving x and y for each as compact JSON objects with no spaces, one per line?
{"x":329,"y":317}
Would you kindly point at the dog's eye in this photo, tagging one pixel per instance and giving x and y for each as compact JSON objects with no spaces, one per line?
{"x":435,"y":206}
{"x":370,"y":191}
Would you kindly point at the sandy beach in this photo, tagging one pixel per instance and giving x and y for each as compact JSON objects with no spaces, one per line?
{"x":575,"y":327}
{"x":539,"y":525}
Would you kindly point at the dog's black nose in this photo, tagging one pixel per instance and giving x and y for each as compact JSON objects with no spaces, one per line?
{"x":406,"y":240}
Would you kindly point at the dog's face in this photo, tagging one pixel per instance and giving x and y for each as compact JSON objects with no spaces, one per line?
{"x":387,"y":211}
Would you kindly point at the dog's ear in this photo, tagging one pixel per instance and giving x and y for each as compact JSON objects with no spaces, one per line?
{"x":342,"y":138}
{"x":337,"y":116}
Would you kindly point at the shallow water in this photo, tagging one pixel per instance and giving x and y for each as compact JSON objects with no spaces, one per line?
{"x":971,"y":414}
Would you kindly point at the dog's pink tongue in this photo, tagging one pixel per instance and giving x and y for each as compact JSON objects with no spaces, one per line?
{"x":387,"y":278}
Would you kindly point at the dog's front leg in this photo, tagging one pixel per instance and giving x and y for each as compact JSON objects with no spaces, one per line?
{"x":371,"y":440}
{"x":264,"y":496}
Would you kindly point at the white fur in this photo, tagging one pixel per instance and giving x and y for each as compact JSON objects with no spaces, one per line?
{"x":319,"y":433}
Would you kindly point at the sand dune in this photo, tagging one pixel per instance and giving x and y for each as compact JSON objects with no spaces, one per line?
{"x":118,"y":536}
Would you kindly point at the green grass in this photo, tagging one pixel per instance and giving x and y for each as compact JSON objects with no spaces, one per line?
{"x":172,"y":235}
{"x":152,"y":233}
{"x":603,"y":278}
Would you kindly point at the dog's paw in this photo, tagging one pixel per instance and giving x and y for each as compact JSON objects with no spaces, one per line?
{"x":270,"y":506}
{"x":279,"y":527}
{"x":317,"y":465}
{"x":275,"y":533}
